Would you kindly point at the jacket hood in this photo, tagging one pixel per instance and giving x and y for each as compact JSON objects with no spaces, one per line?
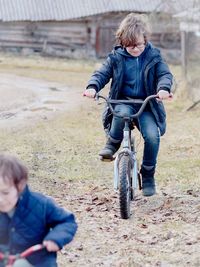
{"x":122,"y":51}
{"x":149,"y":52}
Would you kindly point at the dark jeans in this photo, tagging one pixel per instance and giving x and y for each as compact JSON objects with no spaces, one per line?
{"x":146,"y":124}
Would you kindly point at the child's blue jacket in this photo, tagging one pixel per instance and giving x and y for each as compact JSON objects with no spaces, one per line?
{"x":36,"y":218}
{"x":154,"y":72}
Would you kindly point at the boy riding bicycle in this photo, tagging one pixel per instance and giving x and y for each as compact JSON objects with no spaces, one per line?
{"x":137,"y":70}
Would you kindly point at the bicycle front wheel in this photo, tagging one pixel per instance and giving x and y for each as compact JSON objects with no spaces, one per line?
{"x":125,"y":188}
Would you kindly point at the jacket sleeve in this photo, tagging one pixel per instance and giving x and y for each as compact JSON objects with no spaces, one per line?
{"x":164,"y":76}
{"x":61,"y":223}
{"x":102,"y":76}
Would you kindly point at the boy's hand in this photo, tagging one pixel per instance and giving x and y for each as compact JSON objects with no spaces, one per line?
{"x":51,"y":246}
{"x":163,"y":94}
{"x":90,"y":93}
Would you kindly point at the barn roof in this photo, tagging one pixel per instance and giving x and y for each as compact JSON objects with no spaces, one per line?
{"x":41,"y":10}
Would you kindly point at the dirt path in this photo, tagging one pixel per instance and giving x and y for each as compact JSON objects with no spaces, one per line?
{"x":24,"y":100}
{"x":162,"y":231}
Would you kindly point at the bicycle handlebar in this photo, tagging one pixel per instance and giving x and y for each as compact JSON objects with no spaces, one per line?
{"x":131,"y":101}
{"x":10,"y":259}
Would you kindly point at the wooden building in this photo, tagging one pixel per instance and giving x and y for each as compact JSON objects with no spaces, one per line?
{"x":78,"y":28}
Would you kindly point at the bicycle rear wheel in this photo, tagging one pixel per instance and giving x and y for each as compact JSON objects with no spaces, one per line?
{"x":125,"y":188}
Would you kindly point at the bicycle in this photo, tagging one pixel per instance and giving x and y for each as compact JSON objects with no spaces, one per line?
{"x":126,"y":172}
{"x":9,"y":260}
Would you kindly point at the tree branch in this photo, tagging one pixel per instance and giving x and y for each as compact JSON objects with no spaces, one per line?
{"x":193,"y":105}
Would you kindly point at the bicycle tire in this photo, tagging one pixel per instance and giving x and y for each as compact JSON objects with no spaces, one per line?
{"x":125,"y":188}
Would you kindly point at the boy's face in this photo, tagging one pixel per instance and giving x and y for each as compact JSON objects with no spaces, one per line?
{"x":8,"y":196}
{"x":137,"y":49}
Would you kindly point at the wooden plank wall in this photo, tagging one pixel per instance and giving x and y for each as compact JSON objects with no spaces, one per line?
{"x":44,"y":36}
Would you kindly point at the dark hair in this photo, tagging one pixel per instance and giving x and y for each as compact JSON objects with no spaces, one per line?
{"x":13,"y":170}
{"x":131,"y":27}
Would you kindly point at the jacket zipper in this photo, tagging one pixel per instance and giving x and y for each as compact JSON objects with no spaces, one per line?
{"x":137,"y":75}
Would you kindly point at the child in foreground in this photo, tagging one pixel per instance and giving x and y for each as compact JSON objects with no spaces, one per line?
{"x":136,"y":70}
{"x":28,"y":218}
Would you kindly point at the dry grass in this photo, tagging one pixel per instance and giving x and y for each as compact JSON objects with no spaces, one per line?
{"x":63,"y":162}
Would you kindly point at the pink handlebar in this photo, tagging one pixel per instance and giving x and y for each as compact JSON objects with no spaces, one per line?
{"x":30,"y":250}
{"x":10,"y":259}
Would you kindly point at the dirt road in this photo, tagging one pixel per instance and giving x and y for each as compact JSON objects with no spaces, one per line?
{"x":25,"y":100}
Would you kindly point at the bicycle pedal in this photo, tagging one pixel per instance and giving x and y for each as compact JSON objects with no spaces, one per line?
{"x":107,"y":159}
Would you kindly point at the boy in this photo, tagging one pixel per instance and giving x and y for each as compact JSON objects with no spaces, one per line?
{"x":137,"y":70}
{"x":28,"y":218}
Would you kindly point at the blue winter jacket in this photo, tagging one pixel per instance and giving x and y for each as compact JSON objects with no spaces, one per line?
{"x":155,"y":75}
{"x":36,"y":218}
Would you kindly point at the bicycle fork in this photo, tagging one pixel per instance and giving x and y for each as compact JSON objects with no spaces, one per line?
{"x":126,"y":134}
{"x":134,"y":174}
{"x":116,"y":173}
